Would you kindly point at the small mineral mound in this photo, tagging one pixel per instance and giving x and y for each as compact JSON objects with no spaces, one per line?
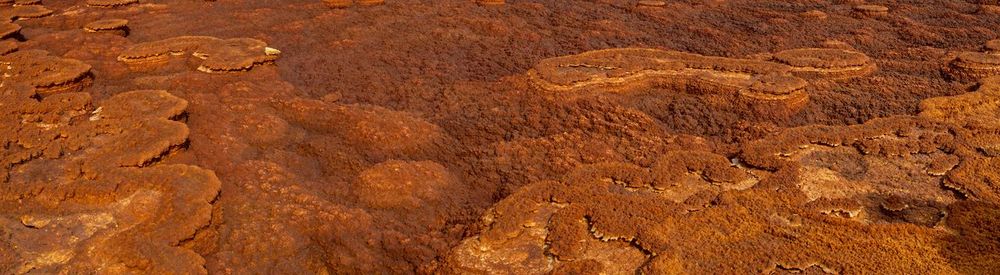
{"x":218,"y":55}
{"x":339,"y":4}
{"x":48,"y":74}
{"x":651,"y":3}
{"x":815,"y":14}
{"x":110,"y":3}
{"x":633,"y":69}
{"x":106,"y":25}
{"x":9,"y":29}
{"x":238,"y":54}
{"x":491,"y":2}
{"x":25,"y":12}
{"x":972,"y":66}
{"x":826,"y":63}
{"x":871,"y":10}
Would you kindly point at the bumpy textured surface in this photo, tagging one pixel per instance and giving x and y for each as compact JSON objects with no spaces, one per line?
{"x":499,"y":137}
{"x":83,"y":190}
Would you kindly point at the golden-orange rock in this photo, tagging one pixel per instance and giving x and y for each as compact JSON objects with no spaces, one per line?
{"x":815,"y":14}
{"x":338,"y":3}
{"x":110,"y":3}
{"x":652,"y":3}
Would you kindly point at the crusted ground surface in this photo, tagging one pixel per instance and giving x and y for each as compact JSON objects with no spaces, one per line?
{"x":499,"y":137}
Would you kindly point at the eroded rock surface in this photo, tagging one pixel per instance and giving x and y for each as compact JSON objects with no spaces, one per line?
{"x":83,"y":189}
{"x":518,"y":137}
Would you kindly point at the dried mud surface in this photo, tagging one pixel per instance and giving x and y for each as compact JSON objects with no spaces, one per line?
{"x":499,"y":137}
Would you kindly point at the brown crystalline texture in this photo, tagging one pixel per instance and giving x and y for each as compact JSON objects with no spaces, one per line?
{"x":83,"y":192}
{"x":972,"y":66}
{"x":867,"y":164}
{"x":527,"y":159}
{"x":217,"y":55}
{"x":812,"y":63}
{"x":765,"y":87}
{"x":110,"y":3}
{"x":405,"y":186}
{"x":609,"y":218}
{"x":376,"y":133}
{"x":47,"y":74}
{"x":978,"y":114}
{"x":821,"y":186}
